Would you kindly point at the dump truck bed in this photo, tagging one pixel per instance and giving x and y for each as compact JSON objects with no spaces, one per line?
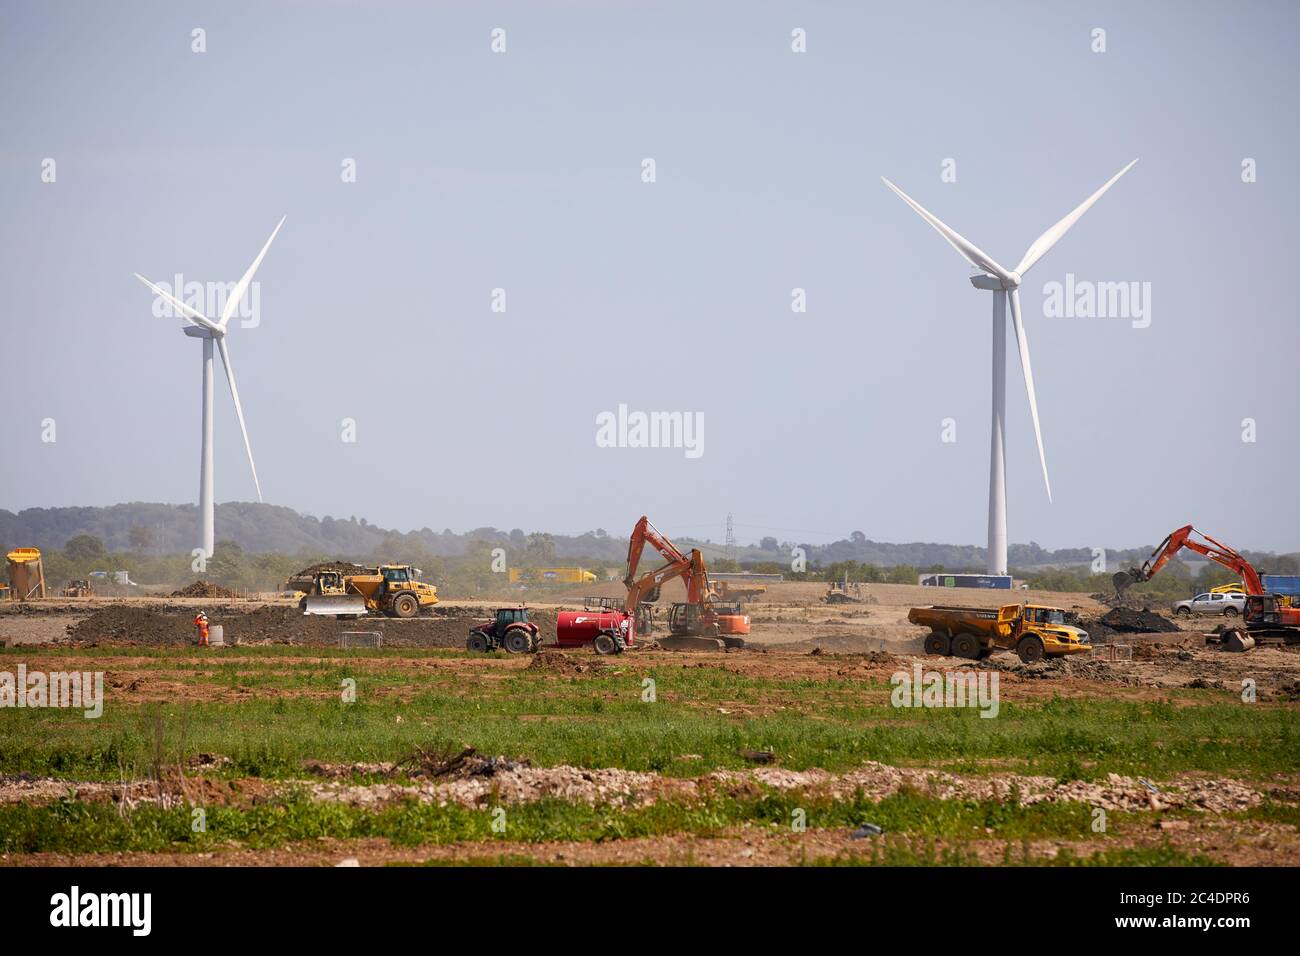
{"x":983,"y":622}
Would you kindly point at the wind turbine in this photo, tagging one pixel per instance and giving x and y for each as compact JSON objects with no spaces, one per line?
{"x":214,"y":332}
{"x":1000,"y":282}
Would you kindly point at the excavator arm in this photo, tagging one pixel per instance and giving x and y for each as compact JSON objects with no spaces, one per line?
{"x":1202,"y":544}
{"x":678,"y":565}
{"x":697,"y":624}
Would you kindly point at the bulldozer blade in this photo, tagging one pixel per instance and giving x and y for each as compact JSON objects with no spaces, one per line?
{"x":335,"y":605}
{"x":691,"y":643}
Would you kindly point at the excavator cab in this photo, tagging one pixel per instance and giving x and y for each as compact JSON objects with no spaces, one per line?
{"x":711,"y":623}
{"x":694,"y":620}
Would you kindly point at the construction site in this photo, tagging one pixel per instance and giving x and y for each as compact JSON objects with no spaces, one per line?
{"x":640,"y":704}
{"x":661,"y":443}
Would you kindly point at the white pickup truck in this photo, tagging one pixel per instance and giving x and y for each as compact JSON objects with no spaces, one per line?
{"x":1229,"y":604}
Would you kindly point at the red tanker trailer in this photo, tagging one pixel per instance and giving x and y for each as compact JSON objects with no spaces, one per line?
{"x":607,"y":629}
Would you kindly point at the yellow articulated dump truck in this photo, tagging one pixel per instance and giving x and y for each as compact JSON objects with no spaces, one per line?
{"x":551,"y":576}
{"x":1033,"y":631}
{"x":391,"y":589}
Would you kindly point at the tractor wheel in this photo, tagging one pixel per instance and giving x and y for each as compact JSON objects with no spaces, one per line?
{"x":478,"y":642}
{"x":605,"y":644}
{"x":966,"y":645}
{"x":936,"y":642}
{"x":1030,"y":649}
{"x":405,"y":605}
{"x":518,"y":641}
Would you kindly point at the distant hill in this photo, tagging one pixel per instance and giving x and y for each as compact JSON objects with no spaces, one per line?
{"x":263,"y":528}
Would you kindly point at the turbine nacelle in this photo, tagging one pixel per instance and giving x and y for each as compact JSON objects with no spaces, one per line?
{"x":199,"y":332}
{"x":996,"y":283}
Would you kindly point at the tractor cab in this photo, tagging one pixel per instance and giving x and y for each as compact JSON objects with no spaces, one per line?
{"x":510,"y":615}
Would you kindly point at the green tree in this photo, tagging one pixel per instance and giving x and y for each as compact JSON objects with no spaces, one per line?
{"x":226,"y":566}
{"x":141,"y":538}
{"x":84,"y":550}
{"x":541,"y":548}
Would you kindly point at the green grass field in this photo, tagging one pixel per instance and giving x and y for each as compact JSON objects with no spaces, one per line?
{"x":290,"y":710}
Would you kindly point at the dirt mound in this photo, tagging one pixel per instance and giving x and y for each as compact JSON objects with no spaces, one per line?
{"x":288,"y":625}
{"x":346,"y":566}
{"x":1129,"y":621}
{"x":303,"y":580}
{"x":557,"y":662}
{"x":275,"y":625}
{"x":133,"y":625}
{"x":1098,"y":633}
{"x":204,"y":589}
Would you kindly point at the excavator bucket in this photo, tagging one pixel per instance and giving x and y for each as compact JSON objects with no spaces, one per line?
{"x":1123,"y":580}
{"x":335,"y":605}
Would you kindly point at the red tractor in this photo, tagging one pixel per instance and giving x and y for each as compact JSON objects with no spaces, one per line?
{"x":510,"y":629}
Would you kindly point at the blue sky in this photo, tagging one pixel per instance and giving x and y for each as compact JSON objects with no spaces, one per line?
{"x":522,"y":171}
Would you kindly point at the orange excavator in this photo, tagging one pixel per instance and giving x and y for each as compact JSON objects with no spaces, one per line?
{"x":701,"y":622}
{"x":1268,"y":617}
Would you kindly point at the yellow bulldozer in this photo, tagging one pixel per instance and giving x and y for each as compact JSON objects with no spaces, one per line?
{"x":391,"y":589}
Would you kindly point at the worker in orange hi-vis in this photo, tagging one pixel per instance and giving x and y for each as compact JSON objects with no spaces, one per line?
{"x":201,"y":622}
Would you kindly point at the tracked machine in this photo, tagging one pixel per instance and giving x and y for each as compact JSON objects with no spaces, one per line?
{"x":1268,"y":618}
{"x":701,"y":622}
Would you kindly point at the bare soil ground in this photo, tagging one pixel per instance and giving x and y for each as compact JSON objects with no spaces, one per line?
{"x":796,"y":636}
{"x":789,"y":623}
{"x":1236,"y":843}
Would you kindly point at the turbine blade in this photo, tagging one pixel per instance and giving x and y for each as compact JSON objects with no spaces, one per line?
{"x":239,"y":412}
{"x":238,"y":294}
{"x":1050,"y":238}
{"x":1025,"y":367}
{"x":196,"y":317}
{"x":968,"y":250}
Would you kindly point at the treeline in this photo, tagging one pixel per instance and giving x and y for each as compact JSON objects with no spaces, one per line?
{"x":263,"y":544}
{"x":478,"y":569}
{"x":465,"y":575}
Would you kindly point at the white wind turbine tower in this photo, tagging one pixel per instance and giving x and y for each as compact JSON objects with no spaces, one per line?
{"x":1001,"y":281}
{"x":210,"y":331}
